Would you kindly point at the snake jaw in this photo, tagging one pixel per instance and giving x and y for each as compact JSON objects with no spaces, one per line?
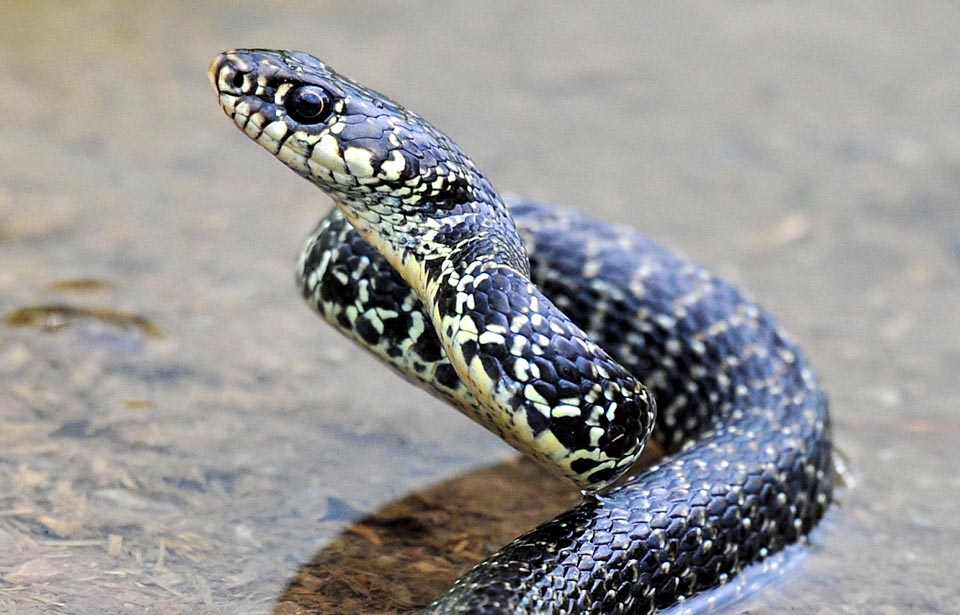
{"x":346,"y":149}
{"x":389,"y":170}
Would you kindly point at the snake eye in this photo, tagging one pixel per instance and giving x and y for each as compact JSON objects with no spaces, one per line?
{"x":308,"y":104}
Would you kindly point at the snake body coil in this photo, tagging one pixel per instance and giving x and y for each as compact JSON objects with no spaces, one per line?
{"x":425,"y":265}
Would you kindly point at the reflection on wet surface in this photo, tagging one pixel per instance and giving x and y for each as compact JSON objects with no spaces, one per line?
{"x":807,"y":153}
{"x":402,"y":556}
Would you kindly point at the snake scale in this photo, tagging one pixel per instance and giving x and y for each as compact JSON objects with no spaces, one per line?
{"x":561,"y":353}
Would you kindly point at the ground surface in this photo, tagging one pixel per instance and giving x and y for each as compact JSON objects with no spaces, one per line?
{"x":179,"y":434}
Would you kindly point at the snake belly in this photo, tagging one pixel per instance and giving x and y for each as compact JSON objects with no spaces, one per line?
{"x":743,"y":421}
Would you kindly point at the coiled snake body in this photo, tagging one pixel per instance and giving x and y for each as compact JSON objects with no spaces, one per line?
{"x":425,"y":265}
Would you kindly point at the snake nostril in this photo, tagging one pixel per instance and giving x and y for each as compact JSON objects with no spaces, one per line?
{"x":237,"y":80}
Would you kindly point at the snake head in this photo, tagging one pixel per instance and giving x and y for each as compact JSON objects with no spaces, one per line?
{"x":353,"y":142}
{"x":403,"y":184}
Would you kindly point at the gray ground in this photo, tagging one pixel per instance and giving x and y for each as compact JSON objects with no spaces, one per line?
{"x":808,"y":152}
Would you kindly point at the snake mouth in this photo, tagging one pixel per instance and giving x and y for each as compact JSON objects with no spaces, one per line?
{"x":232,"y":73}
{"x":253,"y":99}
{"x":213,"y":71}
{"x":253,"y":89}
{"x":233,"y":78}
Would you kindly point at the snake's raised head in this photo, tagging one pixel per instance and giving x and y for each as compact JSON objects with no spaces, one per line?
{"x":319,"y":123}
{"x":376,"y":159}
{"x":419,"y":201}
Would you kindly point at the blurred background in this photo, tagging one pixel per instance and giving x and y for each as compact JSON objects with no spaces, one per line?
{"x":180,"y":434}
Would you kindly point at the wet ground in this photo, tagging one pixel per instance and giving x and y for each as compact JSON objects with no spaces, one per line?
{"x":179,"y":434}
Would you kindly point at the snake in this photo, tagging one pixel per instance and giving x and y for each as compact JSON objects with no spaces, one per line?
{"x":571,"y":338}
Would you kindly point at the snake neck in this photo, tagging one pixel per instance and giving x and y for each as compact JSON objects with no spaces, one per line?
{"x":511,"y":347}
{"x":458,"y":228}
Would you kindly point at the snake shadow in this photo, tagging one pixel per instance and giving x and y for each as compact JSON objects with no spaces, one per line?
{"x":399,"y":558}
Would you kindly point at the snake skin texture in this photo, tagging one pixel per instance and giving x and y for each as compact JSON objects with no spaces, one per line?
{"x":409,"y":191}
{"x":743,"y":421}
